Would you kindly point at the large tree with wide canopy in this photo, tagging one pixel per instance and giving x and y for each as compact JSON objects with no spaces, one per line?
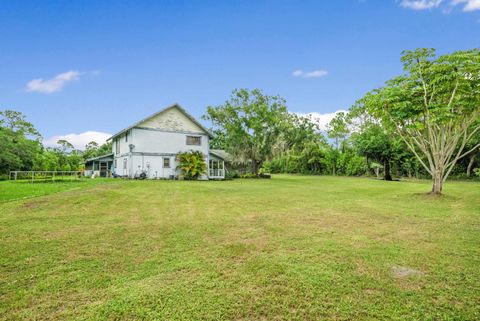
{"x":434,"y":107}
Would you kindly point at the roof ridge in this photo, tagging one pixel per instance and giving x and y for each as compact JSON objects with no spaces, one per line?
{"x":175,"y":105}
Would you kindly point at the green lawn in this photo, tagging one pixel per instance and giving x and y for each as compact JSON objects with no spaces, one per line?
{"x":11,"y":190}
{"x":289,"y":248}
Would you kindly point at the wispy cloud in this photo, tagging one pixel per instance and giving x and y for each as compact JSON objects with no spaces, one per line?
{"x":446,"y":5}
{"x":78,"y":140}
{"x":470,"y":5}
{"x":420,"y":4}
{"x":321,"y":120}
{"x":310,"y":74}
{"x":49,"y":86}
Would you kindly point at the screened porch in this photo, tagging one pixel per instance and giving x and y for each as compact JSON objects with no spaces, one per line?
{"x":216,"y":169}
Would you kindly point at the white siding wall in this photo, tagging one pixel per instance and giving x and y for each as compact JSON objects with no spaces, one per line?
{"x":155,"y":141}
{"x":122,"y":144}
{"x":154,"y":166}
{"x":147,"y":142}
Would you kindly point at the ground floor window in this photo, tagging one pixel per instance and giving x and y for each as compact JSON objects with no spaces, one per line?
{"x":124,"y":163}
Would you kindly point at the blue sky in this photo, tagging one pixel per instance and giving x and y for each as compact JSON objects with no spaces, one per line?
{"x":98,"y":66}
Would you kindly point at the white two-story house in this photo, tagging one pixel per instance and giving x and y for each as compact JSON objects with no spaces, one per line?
{"x":150,"y":146}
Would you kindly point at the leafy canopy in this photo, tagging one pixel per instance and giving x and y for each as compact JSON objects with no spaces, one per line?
{"x":251,"y":122}
{"x":434,"y":107}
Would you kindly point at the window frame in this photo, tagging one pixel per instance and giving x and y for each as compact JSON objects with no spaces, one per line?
{"x":194,"y":138}
{"x":168,"y":162}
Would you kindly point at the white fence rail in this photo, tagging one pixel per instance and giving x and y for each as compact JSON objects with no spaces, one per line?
{"x":44,"y":176}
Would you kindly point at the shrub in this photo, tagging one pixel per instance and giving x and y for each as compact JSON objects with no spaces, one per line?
{"x":477,"y":172}
{"x":231,"y":174}
{"x":248,"y":175}
{"x":252,"y":175}
{"x":192,"y":164}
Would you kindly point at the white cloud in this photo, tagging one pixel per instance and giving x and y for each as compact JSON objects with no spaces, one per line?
{"x":321,"y":120}
{"x":420,"y":4}
{"x":310,"y":74}
{"x":470,"y":5}
{"x":54,"y":84}
{"x":78,"y":140}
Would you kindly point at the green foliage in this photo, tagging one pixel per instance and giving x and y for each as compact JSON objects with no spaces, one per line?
{"x":248,"y":175}
{"x":375,"y":143}
{"x":434,"y":107}
{"x":231,"y":174}
{"x":254,"y":176}
{"x":192,"y":164}
{"x":92,"y":150}
{"x":251,"y":123}
{"x":19,"y":142}
{"x":20,"y":148}
{"x":477,"y":172}
{"x":219,"y":140}
{"x":351,"y":164}
{"x":338,"y":128}
{"x":17,"y":123}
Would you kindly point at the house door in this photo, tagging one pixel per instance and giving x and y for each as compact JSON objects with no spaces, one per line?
{"x":103,"y":169}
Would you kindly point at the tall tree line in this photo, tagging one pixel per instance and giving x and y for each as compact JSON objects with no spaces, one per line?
{"x":21,"y":148}
{"x":424,"y":123}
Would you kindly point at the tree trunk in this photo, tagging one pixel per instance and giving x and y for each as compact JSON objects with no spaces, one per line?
{"x":254,"y":167}
{"x":437,"y":179}
{"x":386,"y":170}
{"x":409,"y":172}
{"x":470,"y":165}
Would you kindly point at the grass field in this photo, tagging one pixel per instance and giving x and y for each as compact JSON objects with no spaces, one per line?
{"x":11,"y":190}
{"x":289,"y":248}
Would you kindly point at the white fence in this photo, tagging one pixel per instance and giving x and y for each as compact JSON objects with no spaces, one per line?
{"x":44,"y":176}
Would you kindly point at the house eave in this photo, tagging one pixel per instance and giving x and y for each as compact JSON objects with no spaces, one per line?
{"x":99,"y":157}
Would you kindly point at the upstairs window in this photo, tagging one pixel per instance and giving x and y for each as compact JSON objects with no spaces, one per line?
{"x":194,"y":140}
{"x":126,"y":136}
{"x":166,"y":162}
{"x":117,"y":146}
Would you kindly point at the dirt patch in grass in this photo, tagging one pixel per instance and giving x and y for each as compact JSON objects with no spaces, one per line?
{"x":402,"y":272}
{"x":31,"y":205}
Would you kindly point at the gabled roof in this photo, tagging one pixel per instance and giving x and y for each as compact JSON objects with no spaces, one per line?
{"x":176,"y":105}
